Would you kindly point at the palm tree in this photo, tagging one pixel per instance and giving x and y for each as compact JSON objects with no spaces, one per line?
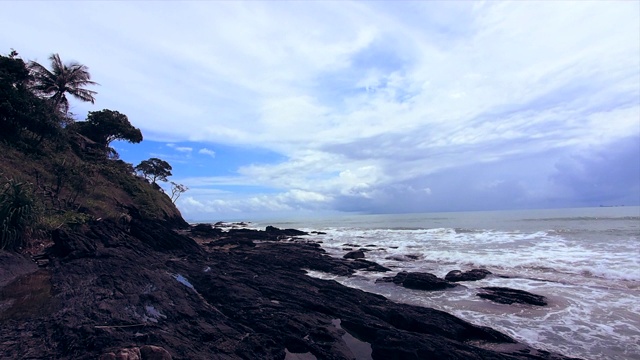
{"x":62,"y":79}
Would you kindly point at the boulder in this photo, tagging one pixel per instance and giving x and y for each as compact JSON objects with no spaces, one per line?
{"x":285,"y":232}
{"x":419,"y":281}
{"x":503,"y":295}
{"x":471,"y":275}
{"x":357,"y":254}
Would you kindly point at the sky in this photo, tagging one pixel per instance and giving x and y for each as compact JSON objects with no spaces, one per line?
{"x":281,"y":109}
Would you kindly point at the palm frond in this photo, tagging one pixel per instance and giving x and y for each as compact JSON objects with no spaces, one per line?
{"x":61,"y":79}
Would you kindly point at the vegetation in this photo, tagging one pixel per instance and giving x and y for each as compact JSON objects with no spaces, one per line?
{"x":177,"y":190}
{"x":25,"y":119}
{"x":105,"y":126}
{"x":154,"y":169}
{"x":71,"y":78}
{"x":58,"y":172}
{"x":17,"y":212}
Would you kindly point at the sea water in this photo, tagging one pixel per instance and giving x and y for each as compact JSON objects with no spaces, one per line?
{"x":585,"y":261}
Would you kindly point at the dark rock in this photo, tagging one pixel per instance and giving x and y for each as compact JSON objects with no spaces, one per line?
{"x":419,"y":281}
{"x":231,"y":241}
{"x":358,"y":254}
{"x":150,"y":352}
{"x":205,"y":230}
{"x":471,"y":275}
{"x":285,"y":232}
{"x":365,"y":265}
{"x":71,"y":244}
{"x":148,"y":287}
{"x":14,"y":265}
{"x":503,"y":295}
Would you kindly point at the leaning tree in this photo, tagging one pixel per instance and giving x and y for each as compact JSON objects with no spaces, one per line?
{"x":70,"y":78}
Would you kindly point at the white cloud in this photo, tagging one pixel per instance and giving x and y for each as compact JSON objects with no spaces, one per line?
{"x":380,"y":98}
{"x":208,"y":152}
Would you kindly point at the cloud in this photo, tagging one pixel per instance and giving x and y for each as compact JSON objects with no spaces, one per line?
{"x":206,"y":151}
{"x":486,"y":104}
{"x":607,"y":175}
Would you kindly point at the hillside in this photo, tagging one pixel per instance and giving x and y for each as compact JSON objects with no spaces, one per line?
{"x":56,"y":172}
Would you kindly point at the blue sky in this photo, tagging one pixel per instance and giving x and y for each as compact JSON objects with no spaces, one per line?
{"x":276,"y":109}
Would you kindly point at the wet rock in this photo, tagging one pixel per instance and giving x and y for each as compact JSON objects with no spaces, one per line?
{"x":205,"y":230}
{"x":285,"y":232}
{"x":471,"y":275}
{"x":250,"y":302}
{"x":503,"y":295}
{"x":419,"y":281}
{"x":358,"y":254}
{"x":14,"y":265}
{"x":365,"y":265}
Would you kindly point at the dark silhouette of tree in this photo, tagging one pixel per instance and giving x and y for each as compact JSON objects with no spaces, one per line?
{"x":177,"y":190}
{"x":105,"y":126}
{"x":22,"y":114}
{"x":71,"y":78}
{"x":154,"y":169}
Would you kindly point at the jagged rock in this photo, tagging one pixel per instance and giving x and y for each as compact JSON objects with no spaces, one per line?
{"x":419,"y":281}
{"x":505,"y":295}
{"x":244,"y":303}
{"x":69,"y":244}
{"x":285,"y":232}
{"x":366,"y":265}
{"x":471,"y":275}
{"x":231,"y":241}
{"x":205,"y":230}
{"x":358,"y":254}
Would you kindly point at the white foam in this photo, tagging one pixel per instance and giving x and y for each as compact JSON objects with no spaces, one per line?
{"x":593,"y":287}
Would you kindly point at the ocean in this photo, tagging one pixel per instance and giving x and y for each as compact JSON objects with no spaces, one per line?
{"x":586,"y":262}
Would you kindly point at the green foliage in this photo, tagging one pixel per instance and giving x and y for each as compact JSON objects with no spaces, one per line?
{"x":154,"y":169}
{"x":71,"y":78}
{"x":18,"y":211}
{"x":23,"y":116}
{"x":69,"y":173}
{"x":105,"y":126}
{"x":67,"y":218}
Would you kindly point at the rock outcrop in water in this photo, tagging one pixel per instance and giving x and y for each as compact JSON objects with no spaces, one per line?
{"x":419,"y":281}
{"x":471,"y":275}
{"x":149,"y":290}
{"x":503,"y":295}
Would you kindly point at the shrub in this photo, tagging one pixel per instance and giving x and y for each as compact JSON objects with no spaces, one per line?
{"x":18,"y":212}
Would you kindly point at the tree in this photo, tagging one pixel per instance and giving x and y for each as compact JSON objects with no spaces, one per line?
{"x":105,"y":126}
{"x":21,"y":112}
{"x":154,"y":169}
{"x":177,"y":190}
{"x":69,"y":78}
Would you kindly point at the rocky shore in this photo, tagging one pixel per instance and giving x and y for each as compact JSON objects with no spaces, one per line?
{"x":143,"y":291}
